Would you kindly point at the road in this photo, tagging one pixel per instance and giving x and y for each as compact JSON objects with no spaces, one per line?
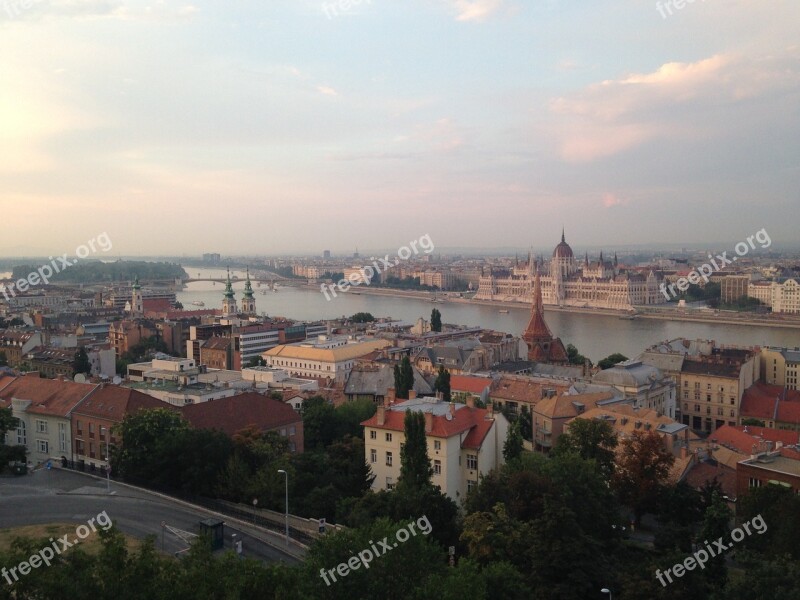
{"x":58,"y":496}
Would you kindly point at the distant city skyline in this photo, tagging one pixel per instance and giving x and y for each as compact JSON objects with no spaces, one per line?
{"x":284,"y":128}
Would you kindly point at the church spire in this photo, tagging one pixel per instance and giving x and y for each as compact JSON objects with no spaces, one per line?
{"x":229,"y":286}
{"x":563,"y":238}
{"x":248,"y":287}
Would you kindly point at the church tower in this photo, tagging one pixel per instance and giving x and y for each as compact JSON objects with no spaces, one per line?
{"x":229,"y":302}
{"x":248,"y":301}
{"x":542,"y":346}
{"x":137,"y":303}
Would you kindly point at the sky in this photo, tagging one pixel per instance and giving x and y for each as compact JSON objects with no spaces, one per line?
{"x":293,"y":126}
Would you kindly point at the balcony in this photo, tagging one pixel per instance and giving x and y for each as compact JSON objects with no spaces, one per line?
{"x":544,"y":438}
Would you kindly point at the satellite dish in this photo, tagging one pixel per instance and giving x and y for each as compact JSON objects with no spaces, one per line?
{"x":79,"y":378}
{"x":117,"y":380}
{"x":448,"y":416}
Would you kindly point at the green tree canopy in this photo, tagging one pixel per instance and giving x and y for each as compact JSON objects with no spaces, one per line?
{"x":436,"y":320}
{"x":81,"y":364}
{"x":611,"y":360}
{"x":442,"y":383}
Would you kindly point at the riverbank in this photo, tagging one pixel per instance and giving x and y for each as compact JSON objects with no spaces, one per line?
{"x":696,"y":317}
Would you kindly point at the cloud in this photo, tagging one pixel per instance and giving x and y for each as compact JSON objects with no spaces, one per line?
{"x":475,"y":10}
{"x":610,"y":200}
{"x":678,"y":100}
{"x":327,"y":91}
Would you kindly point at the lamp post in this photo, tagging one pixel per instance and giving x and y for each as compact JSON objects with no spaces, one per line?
{"x":286,"y":477}
{"x":606,"y":591}
{"x":104,"y":433}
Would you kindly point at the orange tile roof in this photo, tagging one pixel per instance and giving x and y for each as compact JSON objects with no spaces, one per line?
{"x":466,"y":383}
{"x":48,"y":396}
{"x":771,"y":402}
{"x":562,"y":406}
{"x":524,"y":389}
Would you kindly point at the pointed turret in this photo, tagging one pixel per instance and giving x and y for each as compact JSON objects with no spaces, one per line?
{"x":248,"y":301}
{"x":542,"y":346}
{"x":229,"y":301}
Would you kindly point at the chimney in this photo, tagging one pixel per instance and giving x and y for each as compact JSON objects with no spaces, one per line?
{"x":381,"y":415}
{"x":412,"y":394}
{"x":428,"y":422}
{"x":390,"y":397}
{"x":471,"y":401}
{"x":453,"y":409}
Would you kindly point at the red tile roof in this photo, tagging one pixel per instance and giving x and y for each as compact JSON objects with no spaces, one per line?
{"x":705,"y":472}
{"x":736,"y":437}
{"x":466,"y":383}
{"x":771,"y":402}
{"x":113,"y":402}
{"x":468,"y":419}
{"x":235,"y":413}
{"x":47,"y":396}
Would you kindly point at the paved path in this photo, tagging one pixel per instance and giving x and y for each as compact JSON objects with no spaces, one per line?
{"x":59,"y":496}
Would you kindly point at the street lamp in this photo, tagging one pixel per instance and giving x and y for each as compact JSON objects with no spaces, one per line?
{"x":606,"y":591}
{"x":286,"y":476}
{"x":103,"y":433}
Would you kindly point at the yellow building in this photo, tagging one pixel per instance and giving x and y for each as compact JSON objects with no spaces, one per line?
{"x":327,"y":358}
{"x":781,"y":366}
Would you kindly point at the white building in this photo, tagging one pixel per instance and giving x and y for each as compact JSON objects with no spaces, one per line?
{"x":464,"y":443}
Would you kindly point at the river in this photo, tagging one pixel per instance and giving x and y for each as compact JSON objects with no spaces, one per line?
{"x":595,"y":336}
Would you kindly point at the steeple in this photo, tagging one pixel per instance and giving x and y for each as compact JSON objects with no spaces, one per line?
{"x":563,"y":239}
{"x":229,"y":302}
{"x":586,"y":261}
{"x":602,"y":264}
{"x":248,"y":302}
{"x":136,"y":285}
{"x":616,"y":262}
{"x":542,"y":346}
{"x":248,"y":287}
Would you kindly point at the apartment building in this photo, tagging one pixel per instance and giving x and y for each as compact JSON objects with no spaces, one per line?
{"x":463,"y":443}
{"x":642,"y":385}
{"x":326,"y":358}
{"x":781,"y":366}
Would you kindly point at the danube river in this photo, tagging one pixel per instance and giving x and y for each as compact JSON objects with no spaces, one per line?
{"x":595,"y":336}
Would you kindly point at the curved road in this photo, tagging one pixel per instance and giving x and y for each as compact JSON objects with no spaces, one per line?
{"x":58,"y":496}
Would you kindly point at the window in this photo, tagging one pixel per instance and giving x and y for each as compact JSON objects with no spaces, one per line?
{"x":437,"y":467}
{"x":697,"y":408}
{"x":733,"y":413}
{"x":472,"y":462}
{"x":373,"y":456}
{"x":388,"y":459}
{"x":78,"y":427}
{"x":22,"y":437}
{"x":388,"y":437}
{"x":373,"y":435}
{"x":437,"y":445}
{"x":471,"y":485}
{"x":685,"y":395}
{"x":708,"y":397}
{"x":292,"y":430}
{"x":389,"y":484}
{"x":41,"y":426}
{"x":62,"y":437}
{"x":754,"y":482}
{"x":41,"y":445}
{"x":283,"y":432}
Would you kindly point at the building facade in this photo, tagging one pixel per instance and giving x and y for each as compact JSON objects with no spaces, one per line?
{"x":569,"y":282}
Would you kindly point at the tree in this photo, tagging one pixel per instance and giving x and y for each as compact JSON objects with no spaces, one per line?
{"x":81,"y":364}
{"x":611,"y":360}
{"x":442,"y":383}
{"x":9,"y":422}
{"x":436,"y":320}
{"x":575,"y":357}
{"x":513,"y":446}
{"x":362,"y":317}
{"x":415,"y":466}
{"x":319,"y":422}
{"x":403,"y":378}
{"x":141,"y":434}
{"x":591,"y":440}
{"x":715,"y":526}
{"x":178,"y":305}
{"x":643,"y":467}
